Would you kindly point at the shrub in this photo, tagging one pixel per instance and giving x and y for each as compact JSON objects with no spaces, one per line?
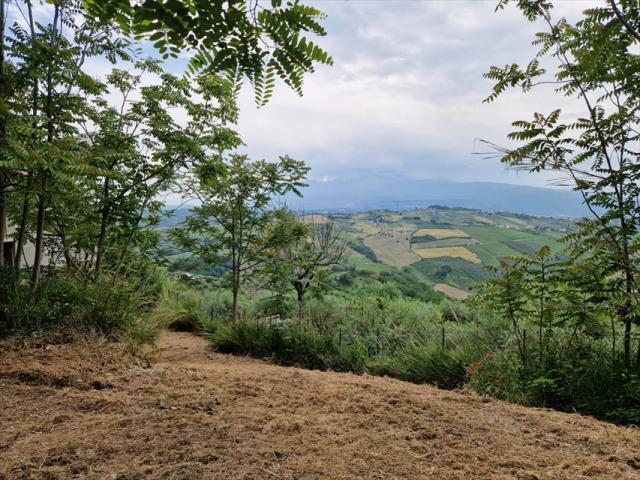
{"x":115,"y":306}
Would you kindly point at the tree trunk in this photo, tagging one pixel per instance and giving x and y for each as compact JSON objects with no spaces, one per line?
{"x":3,"y":132}
{"x":638,"y":356}
{"x":22,"y":229}
{"x":24,"y":216}
{"x":42,"y":200}
{"x":300,"y":293}
{"x":103,"y":228}
{"x":627,"y":341}
{"x":3,"y":221}
{"x":235,"y":288}
{"x":37,"y":261}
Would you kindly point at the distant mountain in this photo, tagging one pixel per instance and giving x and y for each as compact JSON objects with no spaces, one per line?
{"x":395,"y":192}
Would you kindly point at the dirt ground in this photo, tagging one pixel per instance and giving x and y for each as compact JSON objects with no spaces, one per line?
{"x":89,"y":411}
{"x":451,"y":292}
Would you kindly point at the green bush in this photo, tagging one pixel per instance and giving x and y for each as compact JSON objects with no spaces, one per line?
{"x":116,"y":306}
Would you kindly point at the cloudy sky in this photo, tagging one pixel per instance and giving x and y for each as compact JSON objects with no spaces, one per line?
{"x":405,"y":93}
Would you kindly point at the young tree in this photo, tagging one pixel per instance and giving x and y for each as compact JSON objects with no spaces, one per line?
{"x":232,"y":224}
{"x":315,"y":246}
{"x":597,"y":65}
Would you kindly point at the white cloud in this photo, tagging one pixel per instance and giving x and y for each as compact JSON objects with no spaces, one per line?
{"x":406,"y":91}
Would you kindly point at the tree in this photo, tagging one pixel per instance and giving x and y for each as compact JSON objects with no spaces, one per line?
{"x":305,"y":259}
{"x":43,"y":96}
{"x":597,"y":65}
{"x":232,"y":224}
{"x":240,"y":36}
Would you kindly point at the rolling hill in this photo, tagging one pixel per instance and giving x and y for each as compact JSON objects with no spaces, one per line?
{"x":444,"y":246}
{"x":446,"y":249}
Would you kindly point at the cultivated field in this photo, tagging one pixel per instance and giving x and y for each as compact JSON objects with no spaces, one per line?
{"x":451,"y":292}
{"x":440,"y":233}
{"x":455,"y":252}
{"x":469,"y":239}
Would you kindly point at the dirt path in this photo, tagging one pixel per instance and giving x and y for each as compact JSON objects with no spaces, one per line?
{"x":81,"y":411}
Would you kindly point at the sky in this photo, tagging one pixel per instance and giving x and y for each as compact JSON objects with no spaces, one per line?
{"x":405,"y":93}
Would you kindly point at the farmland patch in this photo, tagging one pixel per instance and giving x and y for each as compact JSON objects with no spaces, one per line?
{"x":456,"y":252}
{"x":440,"y":233}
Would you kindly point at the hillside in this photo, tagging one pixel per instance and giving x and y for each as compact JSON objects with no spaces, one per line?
{"x":441,"y":248}
{"x":448,"y":249}
{"x":77,"y":411}
{"x":387,"y":190}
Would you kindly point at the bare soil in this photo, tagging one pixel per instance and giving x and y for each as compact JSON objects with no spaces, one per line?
{"x":83,"y":410}
{"x":451,"y":292}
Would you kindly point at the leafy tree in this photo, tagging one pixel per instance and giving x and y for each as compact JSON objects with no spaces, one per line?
{"x":303,"y":262}
{"x":233,"y":223}
{"x":140,"y":148}
{"x":597,"y":65}
{"x":44,"y":92}
{"x":245,"y":37}
{"x":508,"y":295}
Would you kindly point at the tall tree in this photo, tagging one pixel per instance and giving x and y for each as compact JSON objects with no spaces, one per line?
{"x":597,"y":65}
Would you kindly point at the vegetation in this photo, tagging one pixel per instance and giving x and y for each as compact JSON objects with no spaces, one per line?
{"x":555,"y":306}
{"x":81,"y":176}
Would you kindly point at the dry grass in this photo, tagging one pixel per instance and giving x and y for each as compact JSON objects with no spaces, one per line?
{"x":368,"y":228}
{"x":391,"y":245}
{"x":440,"y":233}
{"x":235,"y":418}
{"x":451,"y":292}
{"x":458,"y":252}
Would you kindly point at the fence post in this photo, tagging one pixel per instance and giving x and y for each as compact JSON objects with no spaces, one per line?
{"x":378,"y":340}
{"x":211,"y":313}
{"x":524,"y":347}
{"x":443,"y":346}
{"x":340,"y":337}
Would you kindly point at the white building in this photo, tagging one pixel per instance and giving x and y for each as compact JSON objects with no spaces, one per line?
{"x":9,"y":249}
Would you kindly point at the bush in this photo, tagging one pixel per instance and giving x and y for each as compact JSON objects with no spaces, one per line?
{"x":116,"y":306}
{"x":182,"y":314}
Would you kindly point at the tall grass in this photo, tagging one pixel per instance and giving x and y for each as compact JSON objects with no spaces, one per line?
{"x":444,"y":344}
{"x":115,"y":306}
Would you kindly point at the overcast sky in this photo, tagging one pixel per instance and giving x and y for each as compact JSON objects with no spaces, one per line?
{"x":405,"y":93}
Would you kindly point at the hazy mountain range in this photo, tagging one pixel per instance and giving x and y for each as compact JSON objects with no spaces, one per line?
{"x":395,"y":192}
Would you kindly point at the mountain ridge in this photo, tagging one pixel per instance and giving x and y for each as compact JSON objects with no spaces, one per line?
{"x":353,"y":193}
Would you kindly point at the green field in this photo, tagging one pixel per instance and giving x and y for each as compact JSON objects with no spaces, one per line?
{"x":440,"y":234}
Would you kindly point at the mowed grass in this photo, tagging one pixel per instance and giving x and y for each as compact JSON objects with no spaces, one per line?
{"x":489,"y":253}
{"x":455,"y":252}
{"x":440,"y":233}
